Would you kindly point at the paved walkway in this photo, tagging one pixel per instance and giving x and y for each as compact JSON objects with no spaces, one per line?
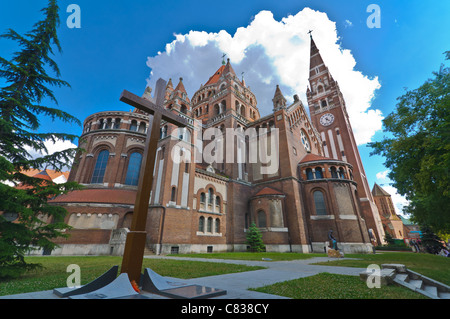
{"x":237,"y":284}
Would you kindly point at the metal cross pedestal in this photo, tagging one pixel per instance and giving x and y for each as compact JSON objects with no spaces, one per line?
{"x":136,"y":238}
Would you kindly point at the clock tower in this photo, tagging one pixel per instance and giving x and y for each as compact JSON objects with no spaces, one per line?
{"x":329,"y":115}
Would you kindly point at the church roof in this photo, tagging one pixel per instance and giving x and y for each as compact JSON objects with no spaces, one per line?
{"x":268,"y":191}
{"x":43,"y":175}
{"x":313,"y":157}
{"x":378,"y":191}
{"x":180,"y":86}
{"x":315,"y":57}
{"x":47,"y":174}
{"x":92,"y":195}
{"x":224,"y":69}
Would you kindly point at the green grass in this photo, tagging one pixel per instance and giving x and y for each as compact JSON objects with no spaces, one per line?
{"x":331,"y":286}
{"x":432,"y":266}
{"x":253,"y":256}
{"x":54,"y":275}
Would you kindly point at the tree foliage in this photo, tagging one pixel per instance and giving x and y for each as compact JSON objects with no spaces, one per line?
{"x":254,"y":239}
{"x":418,"y":153}
{"x":27,"y":86}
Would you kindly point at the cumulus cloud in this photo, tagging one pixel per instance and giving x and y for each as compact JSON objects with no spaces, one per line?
{"x":382,"y":175}
{"x":58,"y":146}
{"x":272,"y":52}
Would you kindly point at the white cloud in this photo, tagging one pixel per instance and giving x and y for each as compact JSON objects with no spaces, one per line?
{"x":272,"y":52}
{"x":58,"y":146}
{"x":348,"y":23}
{"x":398,"y":200}
{"x":382,"y":175}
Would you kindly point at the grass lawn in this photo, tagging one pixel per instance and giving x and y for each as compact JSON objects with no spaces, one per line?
{"x":432,"y":266}
{"x":332,"y":286}
{"x":54,"y":275}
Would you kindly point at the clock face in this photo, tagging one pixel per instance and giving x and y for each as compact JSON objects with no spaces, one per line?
{"x":327,"y":119}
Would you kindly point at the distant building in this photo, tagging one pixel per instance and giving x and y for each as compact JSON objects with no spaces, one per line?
{"x":411,"y":229}
{"x":319,"y":184}
{"x":48,"y":174}
{"x":392,"y":223}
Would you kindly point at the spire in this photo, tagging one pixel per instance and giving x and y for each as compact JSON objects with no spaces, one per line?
{"x":315,"y":58}
{"x":169,"y":84}
{"x":180,"y":87}
{"x":279,"y":100}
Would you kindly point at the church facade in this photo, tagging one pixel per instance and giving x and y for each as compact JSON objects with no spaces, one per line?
{"x":298,"y":177}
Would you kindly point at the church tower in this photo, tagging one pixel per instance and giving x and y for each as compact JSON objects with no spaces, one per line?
{"x":329,"y":115}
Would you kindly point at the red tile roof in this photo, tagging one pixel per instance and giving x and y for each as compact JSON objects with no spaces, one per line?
{"x":313,"y":157}
{"x":224,"y":69}
{"x":215,"y":77}
{"x":268,"y":191}
{"x":92,"y":195}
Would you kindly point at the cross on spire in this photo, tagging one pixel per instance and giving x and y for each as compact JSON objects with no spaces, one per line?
{"x":223,"y":58}
{"x":310,"y":33}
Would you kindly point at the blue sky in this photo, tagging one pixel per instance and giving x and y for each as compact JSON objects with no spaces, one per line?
{"x":118,"y":40}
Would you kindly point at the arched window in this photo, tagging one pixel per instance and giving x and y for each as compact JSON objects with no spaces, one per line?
{"x":210,"y":196}
{"x":133,"y":125}
{"x":183,"y":109}
{"x":318,"y":173}
{"x":142,"y":127}
{"x":173,"y":195}
{"x":341,"y":173}
{"x":309,"y":174}
{"x":218,"y":203}
{"x":323,"y":103}
{"x":202,"y":198}
{"x":209,"y":225}
{"x":134,"y":167}
{"x":201,"y":224}
{"x":100,"y":167}
{"x":319,"y":203}
{"x":117,"y":123}
{"x":320,"y":89}
{"x":305,"y":141}
{"x":333,"y":172}
{"x":217,"y":226}
{"x":261,"y":219}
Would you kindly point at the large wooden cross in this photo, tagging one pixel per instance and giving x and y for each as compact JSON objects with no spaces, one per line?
{"x":136,"y":238}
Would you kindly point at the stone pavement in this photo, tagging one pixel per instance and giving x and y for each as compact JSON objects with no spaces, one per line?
{"x":237,"y":284}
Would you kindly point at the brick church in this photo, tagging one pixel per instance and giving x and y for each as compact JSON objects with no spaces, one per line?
{"x":319,"y":184}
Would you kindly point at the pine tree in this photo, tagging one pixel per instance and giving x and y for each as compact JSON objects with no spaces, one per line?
{"x":254,"y":239}
{"x":26,"y":219}
{"x":430,"y":241}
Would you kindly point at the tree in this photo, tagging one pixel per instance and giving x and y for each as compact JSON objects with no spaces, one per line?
{"x":430,"y":241}
{"x":254,"y":239}
{"x":418,"y":153}
{"x":27,"y":219}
